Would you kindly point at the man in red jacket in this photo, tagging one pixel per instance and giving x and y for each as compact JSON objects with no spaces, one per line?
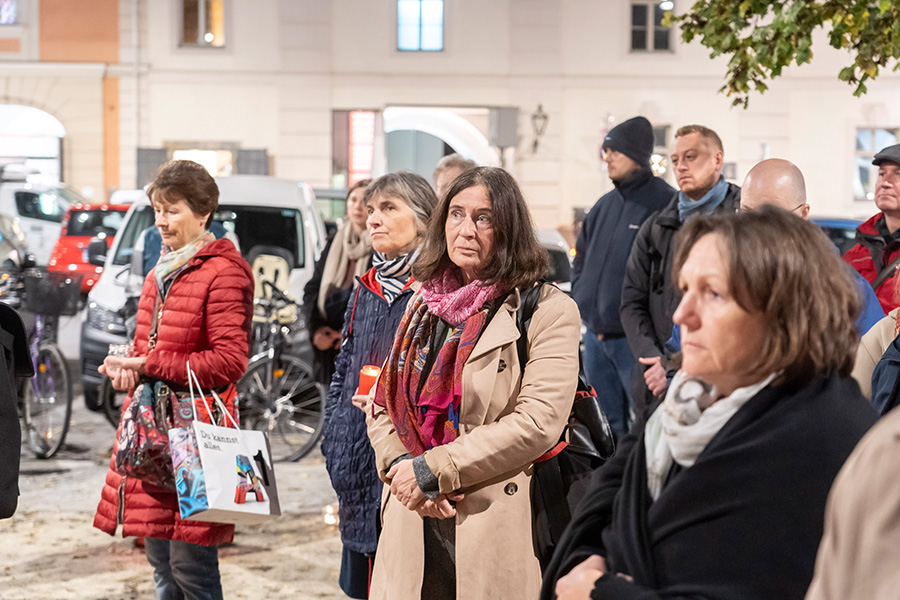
{"x":876,"y":254}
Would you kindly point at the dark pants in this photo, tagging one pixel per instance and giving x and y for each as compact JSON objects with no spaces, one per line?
{"x":184,"y":571}
{"x":608,"y":366}
{"x":440,"y":559}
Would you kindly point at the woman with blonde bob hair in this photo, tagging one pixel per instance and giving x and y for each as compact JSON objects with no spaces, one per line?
{"x":722,"y":495}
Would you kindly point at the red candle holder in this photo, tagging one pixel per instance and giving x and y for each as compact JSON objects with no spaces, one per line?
{"x":368,"y":375}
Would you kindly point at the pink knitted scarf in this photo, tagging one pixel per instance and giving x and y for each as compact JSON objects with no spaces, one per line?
{"x":454,"y":302}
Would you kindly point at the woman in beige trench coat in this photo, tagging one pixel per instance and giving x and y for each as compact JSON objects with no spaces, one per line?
{"x":456,"y":430}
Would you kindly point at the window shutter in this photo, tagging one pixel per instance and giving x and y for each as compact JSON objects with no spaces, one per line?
{"x":252,"y":162}
{"x":149,"y":160}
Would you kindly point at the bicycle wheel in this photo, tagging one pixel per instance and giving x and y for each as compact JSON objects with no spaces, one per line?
{"x":48,"y":402}
{"x":285,"y":401}
{"x":111,"y":401}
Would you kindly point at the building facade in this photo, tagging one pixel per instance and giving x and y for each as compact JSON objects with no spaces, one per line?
{"x":328,"y":91}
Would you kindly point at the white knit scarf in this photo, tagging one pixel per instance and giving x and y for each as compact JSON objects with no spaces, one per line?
{"x":684,"y":424}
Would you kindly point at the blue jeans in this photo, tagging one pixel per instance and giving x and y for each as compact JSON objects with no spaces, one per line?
{"x":184,"y":571}
{"x":608,"y":366}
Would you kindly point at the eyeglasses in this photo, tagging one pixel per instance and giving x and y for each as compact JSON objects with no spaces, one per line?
{"x":742,"y":209}
{"x":607,"y":153}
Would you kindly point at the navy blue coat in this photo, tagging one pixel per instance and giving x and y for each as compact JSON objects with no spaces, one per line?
{"x":884,"y":377}
{"x":604,"y":244}
{"x":370,"y":324}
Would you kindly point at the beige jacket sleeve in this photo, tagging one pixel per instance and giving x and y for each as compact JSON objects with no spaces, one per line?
{"x":861,"y":545}
{"x":542,"y":406}
{"x":871,"y":348}
{"x":384,"y":438}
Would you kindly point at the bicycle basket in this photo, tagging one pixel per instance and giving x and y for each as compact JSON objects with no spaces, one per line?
{"x":51,"y":293}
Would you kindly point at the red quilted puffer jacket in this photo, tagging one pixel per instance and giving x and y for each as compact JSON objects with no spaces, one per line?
{"x":206,"y":317}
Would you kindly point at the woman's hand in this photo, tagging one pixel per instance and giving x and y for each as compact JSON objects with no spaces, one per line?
{"x":124,"y":373}
{"x":579,"y":582}
{"x":440,"y":507}
{"x":404,"y":485}
{"x":361,"y":401}
{"x":326,"y":338}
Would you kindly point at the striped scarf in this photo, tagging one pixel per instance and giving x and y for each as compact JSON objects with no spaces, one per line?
{"x":392,"y":274}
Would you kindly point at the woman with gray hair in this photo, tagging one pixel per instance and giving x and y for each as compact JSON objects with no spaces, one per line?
{"x":398,"y":207}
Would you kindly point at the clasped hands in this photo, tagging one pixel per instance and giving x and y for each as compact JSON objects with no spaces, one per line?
{"x":124,"y":373}
{"x":407,"y":491}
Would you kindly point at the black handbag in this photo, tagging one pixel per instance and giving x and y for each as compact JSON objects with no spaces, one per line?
{"x":562,"y":475}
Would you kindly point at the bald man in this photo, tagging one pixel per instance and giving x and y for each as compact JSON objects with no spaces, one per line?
{"x":778,"y":182}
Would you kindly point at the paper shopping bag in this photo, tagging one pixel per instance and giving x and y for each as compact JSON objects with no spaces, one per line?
{"x":223,"y":474}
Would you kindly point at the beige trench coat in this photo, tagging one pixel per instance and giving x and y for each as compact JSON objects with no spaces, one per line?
{"x":503,"y":428}
{"x":860,"y":550}
{"x":872,"y":345}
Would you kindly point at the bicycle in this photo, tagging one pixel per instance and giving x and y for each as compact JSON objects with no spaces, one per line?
{"x":46,"y":399}
{"x":278,"y":393}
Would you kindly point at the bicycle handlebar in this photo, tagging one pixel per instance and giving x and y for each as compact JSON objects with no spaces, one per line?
{"x":277,"y":293}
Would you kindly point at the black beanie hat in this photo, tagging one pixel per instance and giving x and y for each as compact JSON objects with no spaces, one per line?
{"x":633,"y":138}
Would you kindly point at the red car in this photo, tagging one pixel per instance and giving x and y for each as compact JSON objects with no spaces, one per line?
{"x":83,"y":222}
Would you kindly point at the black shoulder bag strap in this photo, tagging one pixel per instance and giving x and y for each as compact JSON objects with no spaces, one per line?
{"x":527,"y":306}
{"x":885,"y":273}
{"x":547,"y":474}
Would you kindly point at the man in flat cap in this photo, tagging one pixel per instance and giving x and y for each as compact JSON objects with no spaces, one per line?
{"x":602,"y":250}
{"x":876,"y":254}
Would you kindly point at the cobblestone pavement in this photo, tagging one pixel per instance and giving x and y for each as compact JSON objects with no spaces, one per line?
{"x":49,"y":549}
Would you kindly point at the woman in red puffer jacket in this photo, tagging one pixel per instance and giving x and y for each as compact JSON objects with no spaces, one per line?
{"x":206,"y":292}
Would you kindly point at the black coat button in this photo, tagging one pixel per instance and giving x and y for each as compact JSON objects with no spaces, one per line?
{"x":510,"y":489}
{"x":501,"y":366}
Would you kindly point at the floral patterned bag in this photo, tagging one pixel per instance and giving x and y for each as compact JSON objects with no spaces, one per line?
{"x":143,"y":442}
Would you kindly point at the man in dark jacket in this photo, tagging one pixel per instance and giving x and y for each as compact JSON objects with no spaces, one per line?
{"x":601,"y":253}
{"x":876,"y":254}
{"x":649,"y":297}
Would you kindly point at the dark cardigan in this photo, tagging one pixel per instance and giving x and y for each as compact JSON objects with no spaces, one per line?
{"x":743,"y":523}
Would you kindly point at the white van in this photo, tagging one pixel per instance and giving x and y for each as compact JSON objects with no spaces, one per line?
{"x":261,"y":212}
{"x":38,"y":209}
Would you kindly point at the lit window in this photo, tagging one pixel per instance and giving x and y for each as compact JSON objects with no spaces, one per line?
{"x":362,"y":145}
{"x":218,"y":163}
{"x":869,"y":141}
{"x":659,"y":160}
{"x":203,"y":23}
{"x":8,"y":12}
{"x":647,"y":30}
{"x":420,"y":25}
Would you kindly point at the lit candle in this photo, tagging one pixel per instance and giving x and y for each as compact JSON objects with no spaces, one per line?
{"x":368,"y":375}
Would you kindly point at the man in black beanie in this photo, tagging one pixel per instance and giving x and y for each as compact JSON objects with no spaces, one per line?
{"x":602,"y":251}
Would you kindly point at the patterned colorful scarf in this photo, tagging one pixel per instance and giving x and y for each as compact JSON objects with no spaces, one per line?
{"x":171,"y":262}
{"x":454,"y":302}
{"x":430,"y":417}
